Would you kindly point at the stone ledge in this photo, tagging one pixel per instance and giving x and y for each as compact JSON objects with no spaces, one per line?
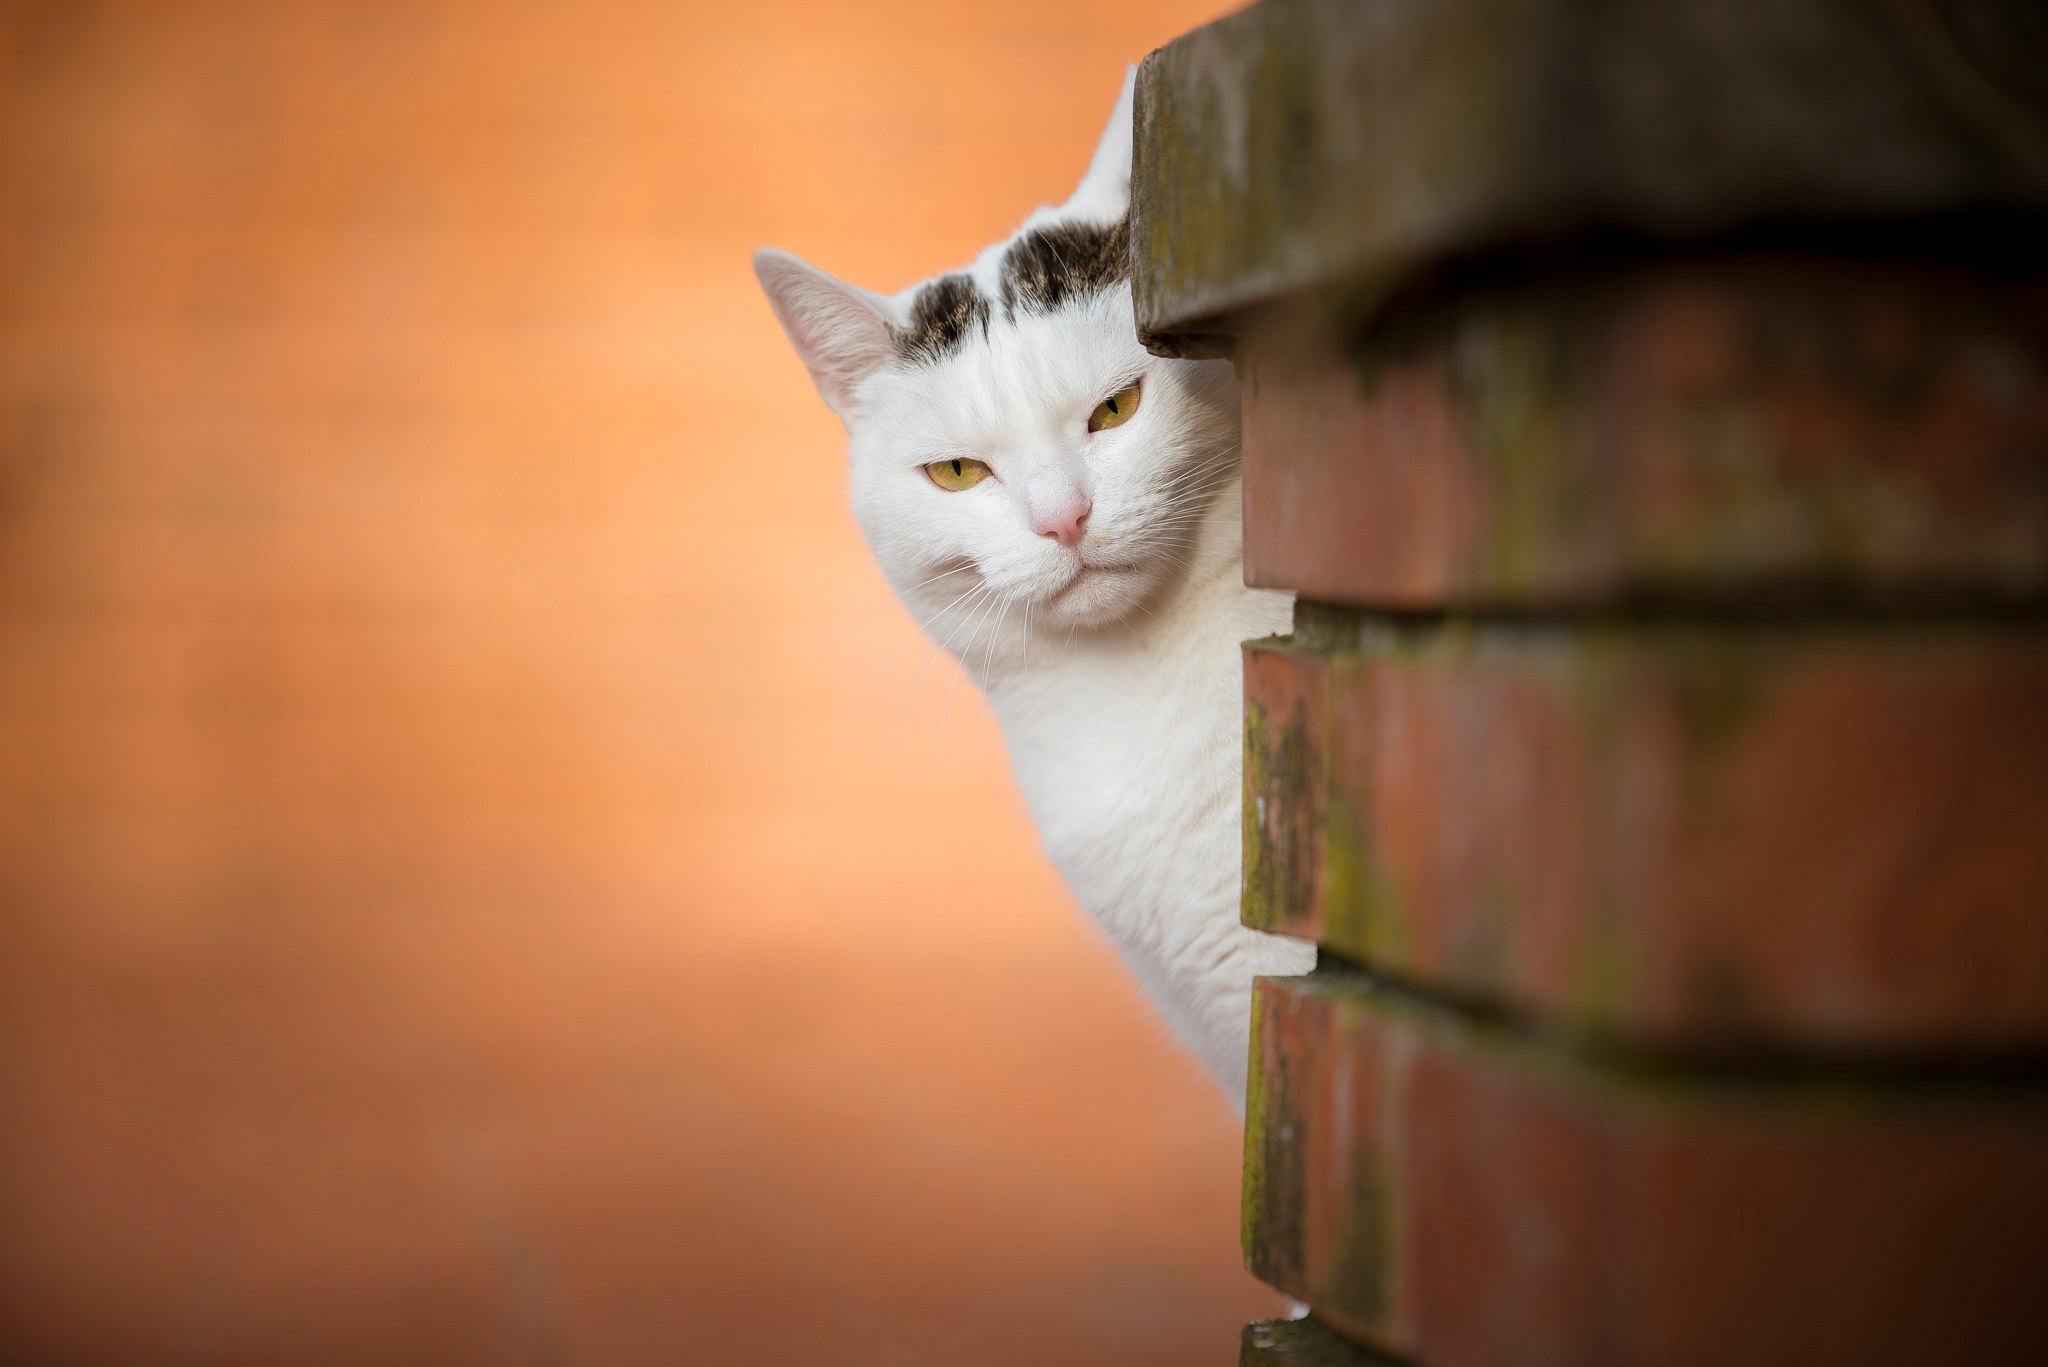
{"x":1311,"y":143}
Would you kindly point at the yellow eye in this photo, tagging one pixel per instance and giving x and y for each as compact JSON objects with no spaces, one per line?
{"x":1116,"y":410}
{"x":955,"y":475}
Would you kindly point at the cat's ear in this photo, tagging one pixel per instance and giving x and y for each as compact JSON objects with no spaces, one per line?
{"x":841,"y":332}
{"x":1105,"y":192}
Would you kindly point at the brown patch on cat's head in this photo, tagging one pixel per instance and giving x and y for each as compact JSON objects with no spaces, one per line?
{"x":1061,"y":261}
{"x":940,"y":317}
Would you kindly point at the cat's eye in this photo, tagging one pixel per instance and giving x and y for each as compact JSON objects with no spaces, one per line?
{"x":1116,"y":410}
{"x":958,"y":474}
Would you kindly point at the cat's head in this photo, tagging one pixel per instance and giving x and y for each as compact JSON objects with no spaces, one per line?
{"x":1019,"y":462}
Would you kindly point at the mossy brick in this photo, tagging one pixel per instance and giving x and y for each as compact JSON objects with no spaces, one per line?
{"x":1775,"y":432}
{"x":1710,"y":836}
{"x":1305,"y":1342}
{"x":1465,"y":1195}
{"x":1314,"y":143}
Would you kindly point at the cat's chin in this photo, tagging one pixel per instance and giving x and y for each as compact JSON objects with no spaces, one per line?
{"x":1089,"y":598}
{"x":1099,"y":596}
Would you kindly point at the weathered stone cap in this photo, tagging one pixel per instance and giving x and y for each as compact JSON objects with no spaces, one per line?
{"x":1310,"y":142}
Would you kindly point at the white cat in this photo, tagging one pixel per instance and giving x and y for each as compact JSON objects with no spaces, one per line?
{"x":1060,"y":509}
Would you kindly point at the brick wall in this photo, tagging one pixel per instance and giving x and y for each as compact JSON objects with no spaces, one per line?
{"x":1649,"y":403}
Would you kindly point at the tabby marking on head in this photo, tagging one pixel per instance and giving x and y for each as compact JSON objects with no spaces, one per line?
{"x":941,"y":317}
{"x":1047,"y":266}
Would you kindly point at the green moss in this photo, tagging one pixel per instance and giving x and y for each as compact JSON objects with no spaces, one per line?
{"x":1259,"y":901}
{"x":1273,"y":1183}
{"x":1720,"y":692}
{"x":1252,"y":1202}
{"x":1600,"y":977}
{"x":1184,"y":243}
{"x":1363,"y":914}
{"x":1283,"y":799}
{"x":1513,"y":382}
{"x":1284,"y":130}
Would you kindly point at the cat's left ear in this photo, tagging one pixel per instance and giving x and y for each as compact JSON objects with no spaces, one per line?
{"x":840,"y":331}
{"x":1105,"y":192}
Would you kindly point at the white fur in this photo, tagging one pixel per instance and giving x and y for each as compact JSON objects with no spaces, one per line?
{"x":1112,"y":666}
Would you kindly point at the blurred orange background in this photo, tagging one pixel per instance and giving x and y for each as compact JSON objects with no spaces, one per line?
{"x":476,"y":885}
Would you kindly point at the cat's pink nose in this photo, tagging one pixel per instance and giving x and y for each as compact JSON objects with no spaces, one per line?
{"x":1064,"y":526}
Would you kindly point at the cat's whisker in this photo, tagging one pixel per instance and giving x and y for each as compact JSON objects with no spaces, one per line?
{"x":1225,"y":468}
{"x":865,"y":692}
{"x":1204,"y":493}
{"x":947,"y":574}
{"x":981,"y":603}
{"x":989,"y":656}
{"x":928,"y":626}
{"x":966,"y":602}
{"x":927,"y":623}
{"x":1198,"y":507}
{"x":1200,"y":493}
{"x":937,"y":650}
{"x":984,"y":634}
{"x":1200,"y":498}
{"x":1154,"y":515}
{"x":963,"y":602}
{"x":978,"y":611}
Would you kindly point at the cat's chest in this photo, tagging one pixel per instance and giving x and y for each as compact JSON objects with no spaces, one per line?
{"x":1107,"y":729}
{"x":1128,"y":762}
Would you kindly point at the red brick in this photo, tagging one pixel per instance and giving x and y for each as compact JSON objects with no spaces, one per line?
{"x":1453,"y":1192}
{"x":1746,"y":431}
{"x":1708,"y":836}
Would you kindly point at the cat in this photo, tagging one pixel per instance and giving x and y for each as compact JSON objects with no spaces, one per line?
{"x":1061,"y":510}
